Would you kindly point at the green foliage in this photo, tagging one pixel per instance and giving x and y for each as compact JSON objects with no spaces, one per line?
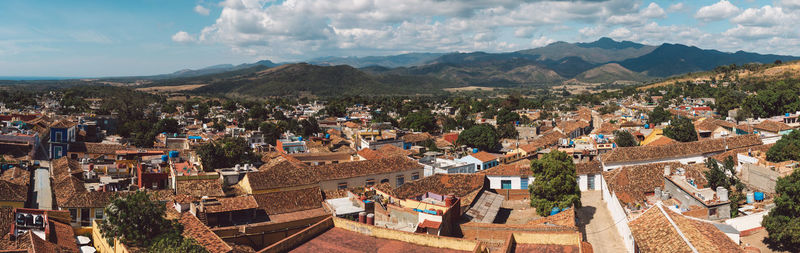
{"x":175,"y":243}
{"x":783,"y":222}
{"x":725,"y":177}
{"x":271,"y":132}
{"x":136,"y":219}
{"x":625,"y":139}
{"x":776,"y":99}
{"x":681,"y":129}
{"x":336,"y":109}
{"x":506,"y":116}
{"x":658,"y":115}
{"x":556,"y":183}
{"x":226,"y":153}
{"x":787,"y":148}
{"x":309,"y":127}
{"x":609,"y":108}
{"x":422,"y":121}
{"x":483,"y":137}
{"x":258,"y":113}
{"x":507,"y":131}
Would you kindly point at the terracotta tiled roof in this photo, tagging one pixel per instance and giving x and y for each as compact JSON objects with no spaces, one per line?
{"x":289,"y":201}
{"x":64,"y":167}
{"x":457,"y":184}
{"x":607,"y":128}
{"x":569,"y":126}
{"x":564,"y":218}
{"x":287,"y":174}
{"x":63,"y":124}
{"x":63,"y":236}
{"x":772,"y":126}
{"x":661,"y":141}
{"x":710,"y":124}
{"x":484,"y":156}
{"x":13,"y":192}
{"x":391,"y":150}
{"x":430,"y":224}
{"x":592,"y":167}
{"x":655,"y":233}
{"x":95,"y":148}
{"x":16,"y":175}
{"x":369,"y":154}
{"x":200,"y":187}
{"x":232,"y":204}
{"x":6,"y":219}
{"x":89,"y":199}
{"x":548,"y":139}
{"x":733,"y":153}
{"x":195,"y":229}
{"x":416,"y":137}
{"x":632,"y":183}
{"x":682,"y":149}
{"x":518,"y":168}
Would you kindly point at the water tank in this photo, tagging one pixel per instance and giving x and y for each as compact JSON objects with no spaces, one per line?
{"x":758,"y":196}
{"x":750,"y":198}
{"x":600,"y":136}
{"x":327,"y":136}
{"x":555,"y":211}
{"x":164,"y":158}
{"x":300,"y":138}
{"x":722,"y":193}
{"x":657,"y":192}
{"x":664,"y":195}
{"x":371,"y":219}
{"x":646,"y":126}
{"x":173,"y":154}
{"x":474,"y":150}
{"x":362,"y":217}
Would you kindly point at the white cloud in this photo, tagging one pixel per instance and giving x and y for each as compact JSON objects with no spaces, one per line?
{"x":541,"y":41}
{"x":652,"y":10}
{"x":718,"y":11}
{"x":182,"y":37}
{"x":202,"y":10}
{"x":789,"y":4}
{"x":676,"y":7}
{"x":764,"y":16}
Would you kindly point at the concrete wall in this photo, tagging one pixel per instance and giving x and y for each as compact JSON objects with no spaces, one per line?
{"x":619,"y":216}
{"x":300,"y":237}
{"x":583,"y":182}
{"x":760,"y":177}
{"x":260,"y":235}
{"x":747,"y":222}
{"x":419,"y":239}
{"x":362,"y":181}
{"x":722,"y":211}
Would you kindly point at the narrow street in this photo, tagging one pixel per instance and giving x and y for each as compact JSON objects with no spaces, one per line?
{"x":43,"y":194}
{"x":596,"y":223}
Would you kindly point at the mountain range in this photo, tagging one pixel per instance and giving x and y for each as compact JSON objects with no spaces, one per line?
{"x":601,"y":61}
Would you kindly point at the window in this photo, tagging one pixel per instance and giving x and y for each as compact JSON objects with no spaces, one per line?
{"x":479,"y":167}
{"x":57,"y":152}
{"x":385,"y":180}
{"x":58,"y":137}
{"x":591,"y":182}
{"x":342,"y":186}
{"x":523,"y":183}
{"x":415,"y":176}
{"x":400,"y":180}
{"x":73,"y":215}
{"x":98,"y":213}
{"x":505,"y":184}
{"x":712,"y":212}
{"x":370,"y":182}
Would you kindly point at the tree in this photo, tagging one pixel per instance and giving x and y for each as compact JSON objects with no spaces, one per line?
{"x":787,"y":148}
{"x":258,"y":112}
{"x":783,"y":221}
{"x":725,"y":177}
{"x":506,"y":116}
{"x":625,"y":139}
{"x":309,"y":127}
{"x":658,"y":115}
{"x":681,"y":129}
{"x":609,"y":108}
{"x":508,"y":131}
{"x":229,"y":105}
{"x":136,"y":219}
{"x":555,"y":184}
{"x":336,"y":109}
{"x":483,"y":137}
{"x":226,"y":153}
{"x":166,"y":126}
{"x":270,"y":131}
{"x":174,"y":243}
{"x":422,"y":121}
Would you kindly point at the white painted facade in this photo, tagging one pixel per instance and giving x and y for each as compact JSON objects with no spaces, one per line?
{"x":583,"y":182}
{"x":496,"y":182}
{"x":619,"y":217}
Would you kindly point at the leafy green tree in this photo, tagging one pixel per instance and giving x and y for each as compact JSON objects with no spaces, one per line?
{"x":625,"y":139}
{"x":658,"y":115}
{"x":229,"y":105}
{"x":483,"y":137}
{"x":175,"y":243}
{"x":609,"y":108}
{"x":202,"y":110}
{"x":167,"y":126}
{"x":226,"y":153}
{"x":783,"y":221}
{"x":508,"y":131}
{"x":556,"y":183}
{"x":336,"y":109}
{"x":271,"y":132}
{"x":681,"y":129}
{"x":423,"y":121}
{"x":258,"y":112}
{"x":309,"y":127}
{"x":506,"y":116}
{"x":787,"y":148}
{"x":725,"y":177}
{"x":136,"y":219}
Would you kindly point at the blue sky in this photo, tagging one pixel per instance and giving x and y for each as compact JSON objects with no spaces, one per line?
{"x":113,"y":38}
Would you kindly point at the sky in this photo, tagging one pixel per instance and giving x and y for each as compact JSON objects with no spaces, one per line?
{"x":85,"y":38}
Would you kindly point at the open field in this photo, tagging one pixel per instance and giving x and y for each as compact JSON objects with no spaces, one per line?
{"x":171,"y":88}
{"x":469,"y":88}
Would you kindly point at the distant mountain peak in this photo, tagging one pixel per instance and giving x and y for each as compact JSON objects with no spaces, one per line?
{"x":608,"y":43}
